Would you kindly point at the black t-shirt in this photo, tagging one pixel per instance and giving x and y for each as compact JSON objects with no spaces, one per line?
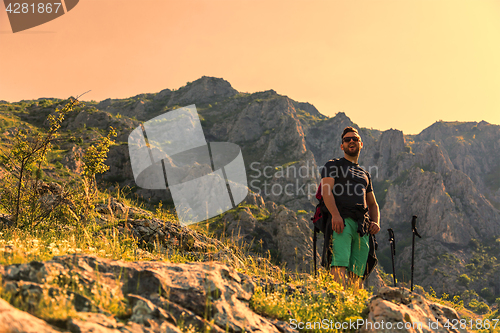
{"x":352,"y":182}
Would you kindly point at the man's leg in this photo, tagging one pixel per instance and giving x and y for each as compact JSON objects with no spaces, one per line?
{"x":355,"y":281}
{"x":341,"y":252}
{"x":339,"y":275}
{"x":357,"y":260}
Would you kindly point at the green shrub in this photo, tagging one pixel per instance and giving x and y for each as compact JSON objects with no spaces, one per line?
{"x":78,"y":141}
{"x":479,"y":307}
{"x":463,"y":280}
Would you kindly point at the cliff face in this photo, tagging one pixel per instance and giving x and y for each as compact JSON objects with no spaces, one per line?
{"x":448,"y":175}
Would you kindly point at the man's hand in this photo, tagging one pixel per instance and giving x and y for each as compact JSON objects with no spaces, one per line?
{"x":337,"y":224}
{"x":373,"y":228}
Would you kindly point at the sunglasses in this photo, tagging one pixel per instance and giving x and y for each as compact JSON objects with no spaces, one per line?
{"x":349,"y":138}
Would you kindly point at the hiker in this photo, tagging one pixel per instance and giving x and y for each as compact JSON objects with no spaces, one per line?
{"x":348,"y":196}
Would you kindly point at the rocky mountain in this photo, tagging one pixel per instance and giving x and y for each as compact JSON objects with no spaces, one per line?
{"x":448,"y":175}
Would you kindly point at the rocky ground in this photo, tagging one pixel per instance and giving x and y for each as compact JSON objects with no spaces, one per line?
{"x":154,"y":296}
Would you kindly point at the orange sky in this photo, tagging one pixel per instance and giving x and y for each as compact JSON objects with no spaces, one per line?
{"x":388,"y":64}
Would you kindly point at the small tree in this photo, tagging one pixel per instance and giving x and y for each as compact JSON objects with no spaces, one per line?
{"x":23,"y":163}
{"x":93,"y":164}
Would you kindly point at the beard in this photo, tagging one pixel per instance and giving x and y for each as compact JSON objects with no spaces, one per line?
{"x":352,"y":153}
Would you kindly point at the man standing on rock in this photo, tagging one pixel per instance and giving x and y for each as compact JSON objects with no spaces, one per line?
{"x":348,"y":195}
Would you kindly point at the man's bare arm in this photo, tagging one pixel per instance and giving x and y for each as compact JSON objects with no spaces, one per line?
{"x":326,"y":189}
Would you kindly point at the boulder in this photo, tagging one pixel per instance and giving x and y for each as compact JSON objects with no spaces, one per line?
{"x":411,"y":311}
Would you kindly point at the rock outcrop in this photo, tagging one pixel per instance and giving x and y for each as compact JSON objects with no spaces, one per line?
{"x":73,"y":159}
{"x":272,"y":229}
{"x":153,"y":232}
{"x":412,"y":312}
{"x":150,"y":296}
{"x":14,"y":320}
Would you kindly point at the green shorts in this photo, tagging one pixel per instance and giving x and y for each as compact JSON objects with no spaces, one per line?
{"x":349,"y":249}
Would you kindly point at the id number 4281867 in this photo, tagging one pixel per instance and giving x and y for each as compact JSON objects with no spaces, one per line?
{"x":471,"y":324}
{"x":40,"y":8}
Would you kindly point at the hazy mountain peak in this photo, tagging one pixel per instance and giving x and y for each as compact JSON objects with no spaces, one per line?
{"x":341,"y":115}
{"x":202,"y":90}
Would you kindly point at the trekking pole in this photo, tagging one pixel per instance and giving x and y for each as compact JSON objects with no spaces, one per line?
{"x":415,"y":232}
{"x":392,"y":241}
{"x":314,"y":251}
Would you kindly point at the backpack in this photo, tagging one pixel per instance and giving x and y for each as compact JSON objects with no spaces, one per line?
{"x":322,"y":224}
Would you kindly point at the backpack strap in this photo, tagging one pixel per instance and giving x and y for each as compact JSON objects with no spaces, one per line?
{"x":319,"y":195}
